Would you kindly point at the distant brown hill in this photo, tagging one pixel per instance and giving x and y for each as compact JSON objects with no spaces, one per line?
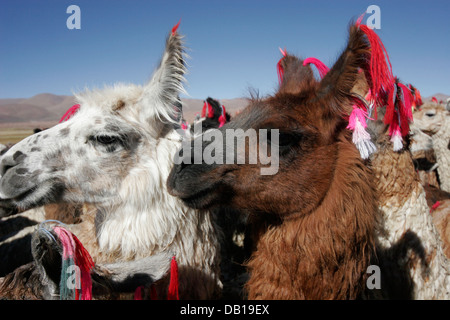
{"x":46,"y":109}
{"x":439,"y":96}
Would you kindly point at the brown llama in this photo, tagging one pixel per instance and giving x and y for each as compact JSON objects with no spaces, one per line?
{"x":313,"y":220}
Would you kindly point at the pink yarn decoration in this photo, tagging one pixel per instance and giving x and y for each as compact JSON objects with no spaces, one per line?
{"x":69,"y":113}
{"x":321,"y":67}
{"x":360,"y":137}
{"x":74,"y":252}
{"x":280,"y":70}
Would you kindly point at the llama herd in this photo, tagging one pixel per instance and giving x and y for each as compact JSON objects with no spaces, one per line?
{"x":350,"y":194}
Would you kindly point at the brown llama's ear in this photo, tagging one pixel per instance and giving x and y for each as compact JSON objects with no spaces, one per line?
{"x":161,"y":93}
{"x":294,"y":76}
{"x":345,"y":78}
{"x":361,"y":87}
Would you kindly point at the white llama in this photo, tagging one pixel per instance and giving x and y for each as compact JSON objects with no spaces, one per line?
{"x":115,"y":154}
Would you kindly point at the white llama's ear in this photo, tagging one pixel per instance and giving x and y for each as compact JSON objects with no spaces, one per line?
{"x":161,"y":94}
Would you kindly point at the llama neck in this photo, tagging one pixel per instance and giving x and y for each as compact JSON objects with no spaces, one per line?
{"x":441,"y":141}
{"x":399,"y":192}
{"x":409,"y":246}
{"x":324,"y":254}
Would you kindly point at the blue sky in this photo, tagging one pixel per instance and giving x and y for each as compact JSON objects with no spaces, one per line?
{"x":233,"y":45}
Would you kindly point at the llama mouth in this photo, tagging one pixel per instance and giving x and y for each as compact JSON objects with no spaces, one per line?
{"x":203,"y":199}
{"x":35,"y":196}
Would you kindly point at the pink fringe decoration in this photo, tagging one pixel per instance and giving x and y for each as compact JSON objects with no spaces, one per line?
{"x":69,"y":113}
{"x":280,"y":70}
{"x":360,"y":137}
{"x":321,"y":67}
{"x":379,"y":75}
{"x":75,"y":251}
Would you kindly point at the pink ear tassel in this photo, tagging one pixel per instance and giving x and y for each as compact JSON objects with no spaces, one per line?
{"x":175,"y":28}
{"x":280,"y":70}
{"x":69,"y":113}
{"x":360,"y":137}
{"x":321,"y":67}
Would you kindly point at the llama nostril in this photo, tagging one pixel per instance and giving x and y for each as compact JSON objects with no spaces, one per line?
{"x":5,"y":165}
{"x":5,"y":169}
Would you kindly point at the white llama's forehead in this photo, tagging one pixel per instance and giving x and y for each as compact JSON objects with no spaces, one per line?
{"x":432,"y":106}
{"x":109,"y":97}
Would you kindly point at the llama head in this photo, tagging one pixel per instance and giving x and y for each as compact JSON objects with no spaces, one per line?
{"x":430,"y":118}
{"x":112,"y":137}
{"x":310,"y":119}
{"x":214,"y":115}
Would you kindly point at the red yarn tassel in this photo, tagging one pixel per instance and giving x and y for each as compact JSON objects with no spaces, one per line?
{"x":153,"y":293}
{"x":173,"y":285}
{"x":435,"y":206}
{"x":321,"y":67}
{"x":175,"y":28}
{"x":280,"y":70}
{"x":207,"y":106}
{"x":405,"y":108}
{"x":138,"y":293}
{"x":222,"y":118}
{"x":69,"y":113}
{"x":84,"y":261}
{"x":380,"y":68}
{"x":417,"y":98}
{"x":204,"y":109}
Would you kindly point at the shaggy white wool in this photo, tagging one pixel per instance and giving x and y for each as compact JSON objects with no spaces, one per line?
{"x":413,"y":215}
{"x":441,"y":140}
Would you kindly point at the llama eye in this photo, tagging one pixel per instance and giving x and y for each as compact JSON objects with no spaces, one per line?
{"x":106,"y":139}
{"x":285,"y":139}
{"x":430,"y":115}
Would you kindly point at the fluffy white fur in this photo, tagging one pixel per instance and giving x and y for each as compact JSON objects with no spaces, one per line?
{"x":432,"y":282}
